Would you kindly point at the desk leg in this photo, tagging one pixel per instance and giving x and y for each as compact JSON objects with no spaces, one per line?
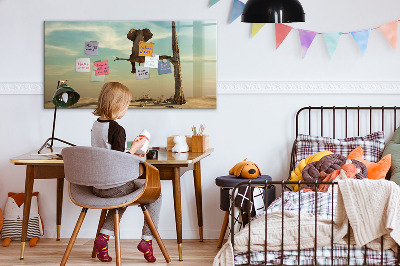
{"x":27,"y":206}
{"x":60,"y":190}
{"x":176,"y":183}
{"x":199,"y":204}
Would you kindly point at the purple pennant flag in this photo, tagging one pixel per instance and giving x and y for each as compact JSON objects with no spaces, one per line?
{"x":237,"y":9}
{"x":306,"y":39}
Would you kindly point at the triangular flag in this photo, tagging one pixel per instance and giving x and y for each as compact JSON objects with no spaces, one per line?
{"x":281,"y":31}
{"x":306,"y":39}
{"x":213,"y":2}
{"x":390,"y":32}
{"x":237,"y":9}
{"x":332,"y":41}
{"x":361,"y":37}
{"x":255,"y":28}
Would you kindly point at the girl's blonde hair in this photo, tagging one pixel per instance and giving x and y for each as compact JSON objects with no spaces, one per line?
{"x":113,"y":97}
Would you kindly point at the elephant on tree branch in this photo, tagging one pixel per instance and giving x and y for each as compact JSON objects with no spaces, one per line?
{"x":137,"y":36}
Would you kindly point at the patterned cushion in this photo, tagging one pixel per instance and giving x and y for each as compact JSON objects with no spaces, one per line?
{"x":372,"y":144}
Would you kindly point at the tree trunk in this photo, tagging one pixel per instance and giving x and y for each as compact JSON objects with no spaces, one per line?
{"x":179,"y":98}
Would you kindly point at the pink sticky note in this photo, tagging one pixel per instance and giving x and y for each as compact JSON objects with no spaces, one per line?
{"x":102,"y":68}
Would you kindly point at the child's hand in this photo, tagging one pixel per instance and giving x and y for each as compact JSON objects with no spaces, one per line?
{"x":142,"y":155}
{"x":137,"y":144}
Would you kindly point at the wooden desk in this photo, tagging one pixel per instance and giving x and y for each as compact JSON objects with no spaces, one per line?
{"x":168,"y":163}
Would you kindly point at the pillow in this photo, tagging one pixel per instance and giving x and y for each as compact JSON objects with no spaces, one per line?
{"x":375,"y":170}
{"x":372,"y":144}
{"x":393,"y":148}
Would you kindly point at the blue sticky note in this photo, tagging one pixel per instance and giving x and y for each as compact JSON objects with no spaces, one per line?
{"x":164,"y":67}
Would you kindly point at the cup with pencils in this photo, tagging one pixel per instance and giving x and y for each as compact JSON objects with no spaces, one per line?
{"x":199,"y":140}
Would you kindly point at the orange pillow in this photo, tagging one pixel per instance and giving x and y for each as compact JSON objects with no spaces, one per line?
{"x":375,"y":170}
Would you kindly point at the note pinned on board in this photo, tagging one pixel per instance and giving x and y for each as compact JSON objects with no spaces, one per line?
{"x":142,"y":72}
{"x":99,"y":78}
{"x":145,"y":48}
{"x":164,"y":67}
{"x":92,"y":48}
{"x":82,"y":65}
{"x":151,"y":61}
{"x":102,"y":68}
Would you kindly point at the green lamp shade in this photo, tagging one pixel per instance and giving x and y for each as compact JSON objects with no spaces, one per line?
{"x":65,"y":96}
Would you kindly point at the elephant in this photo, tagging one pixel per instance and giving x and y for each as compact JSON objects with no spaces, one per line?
{"x":137,"y":36}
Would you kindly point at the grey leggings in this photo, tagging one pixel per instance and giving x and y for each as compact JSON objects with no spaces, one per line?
{"x":154,"y":208}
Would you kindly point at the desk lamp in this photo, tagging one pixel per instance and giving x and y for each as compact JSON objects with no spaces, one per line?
{"x":64,"y":96}
{"x":272,"y":11}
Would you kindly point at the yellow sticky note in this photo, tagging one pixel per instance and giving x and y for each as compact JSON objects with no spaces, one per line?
{"x":145,"y":48}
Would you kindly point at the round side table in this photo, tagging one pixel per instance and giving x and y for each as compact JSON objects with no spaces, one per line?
{"x":228,"y":182}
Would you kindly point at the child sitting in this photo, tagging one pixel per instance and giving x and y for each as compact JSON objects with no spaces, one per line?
{"x":106,"y":133}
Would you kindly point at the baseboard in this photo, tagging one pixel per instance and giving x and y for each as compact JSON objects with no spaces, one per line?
{"x":259,"y":87}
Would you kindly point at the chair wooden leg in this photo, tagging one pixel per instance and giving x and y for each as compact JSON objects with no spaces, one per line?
{"x":101,"y":222}
{"x":223,"y":229}
{"x":73,"y":237}
{"x":154,"y":230}
{"x":117,"y":239}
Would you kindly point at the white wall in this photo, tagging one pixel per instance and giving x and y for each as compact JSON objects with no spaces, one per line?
{"x":258,"y":127}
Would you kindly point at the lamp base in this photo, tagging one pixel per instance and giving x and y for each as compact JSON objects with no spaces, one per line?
{"x":50,"y":146}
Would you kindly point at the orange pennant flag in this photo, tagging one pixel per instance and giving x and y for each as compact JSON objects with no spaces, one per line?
{"x":389,"y":30}
{"x":281,"y":31}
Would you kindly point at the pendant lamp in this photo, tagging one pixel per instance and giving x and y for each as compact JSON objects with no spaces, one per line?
{"x":272,"y":11}
{"x":64,"y":96}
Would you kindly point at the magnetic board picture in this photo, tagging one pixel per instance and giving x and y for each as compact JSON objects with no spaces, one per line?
{"x":180,"y":66}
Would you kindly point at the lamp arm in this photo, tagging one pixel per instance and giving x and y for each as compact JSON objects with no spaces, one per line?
{"x":54,"y":126}
{"x":46,"y":143}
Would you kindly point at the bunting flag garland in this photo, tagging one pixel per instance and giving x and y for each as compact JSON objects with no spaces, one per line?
{"x":281,"y":31}
{"x":213,"y":2}
{"x":237,"y":8}
{"x":306,"y":39}
{"x":389,"y":30}
{"x":332,"y":41}
{"x":256,"y":27}
{"x":361,"y":37}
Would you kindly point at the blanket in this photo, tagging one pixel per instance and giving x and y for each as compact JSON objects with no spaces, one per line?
{"x":371,"y":207}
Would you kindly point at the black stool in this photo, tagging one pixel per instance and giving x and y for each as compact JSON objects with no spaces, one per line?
{"x":226,"y":183}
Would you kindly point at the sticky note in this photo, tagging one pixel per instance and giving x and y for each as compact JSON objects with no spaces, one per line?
{"x":151,"y":61}
{"x":145,"y":48}
{"x":164,"y":67}
{"x":142,"y":72}
{"x":83,"y":65}
{"x":91,"y":48}
{"x":99,"y":78}
{"x":102,"y":68}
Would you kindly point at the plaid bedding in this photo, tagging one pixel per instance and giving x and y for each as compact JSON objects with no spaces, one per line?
{"x":372,"y":145}
{"x":322,"y":207}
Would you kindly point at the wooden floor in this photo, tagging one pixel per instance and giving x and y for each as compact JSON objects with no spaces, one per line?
{"x":50,"y":252}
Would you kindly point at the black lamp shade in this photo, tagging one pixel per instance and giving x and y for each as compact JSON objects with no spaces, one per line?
{"x":65,"y":96}
{"x":273,"y":11}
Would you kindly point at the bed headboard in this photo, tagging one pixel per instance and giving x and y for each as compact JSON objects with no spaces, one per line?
{"x":344,"y":121}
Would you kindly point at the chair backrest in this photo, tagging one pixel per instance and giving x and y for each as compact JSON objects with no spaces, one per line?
{"x":92,"y":166}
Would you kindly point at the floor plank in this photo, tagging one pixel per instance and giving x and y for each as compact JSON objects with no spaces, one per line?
{"x":50,"y":252}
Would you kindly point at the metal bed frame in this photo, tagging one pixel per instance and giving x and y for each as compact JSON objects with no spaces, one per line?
{"x":283,"y":184}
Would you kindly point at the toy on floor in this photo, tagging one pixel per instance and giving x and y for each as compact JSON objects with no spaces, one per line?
{"x":245,"y":169}
{"x":13,"y":215}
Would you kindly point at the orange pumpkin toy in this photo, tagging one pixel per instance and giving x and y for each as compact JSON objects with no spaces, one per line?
{"x":245,"y":169}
